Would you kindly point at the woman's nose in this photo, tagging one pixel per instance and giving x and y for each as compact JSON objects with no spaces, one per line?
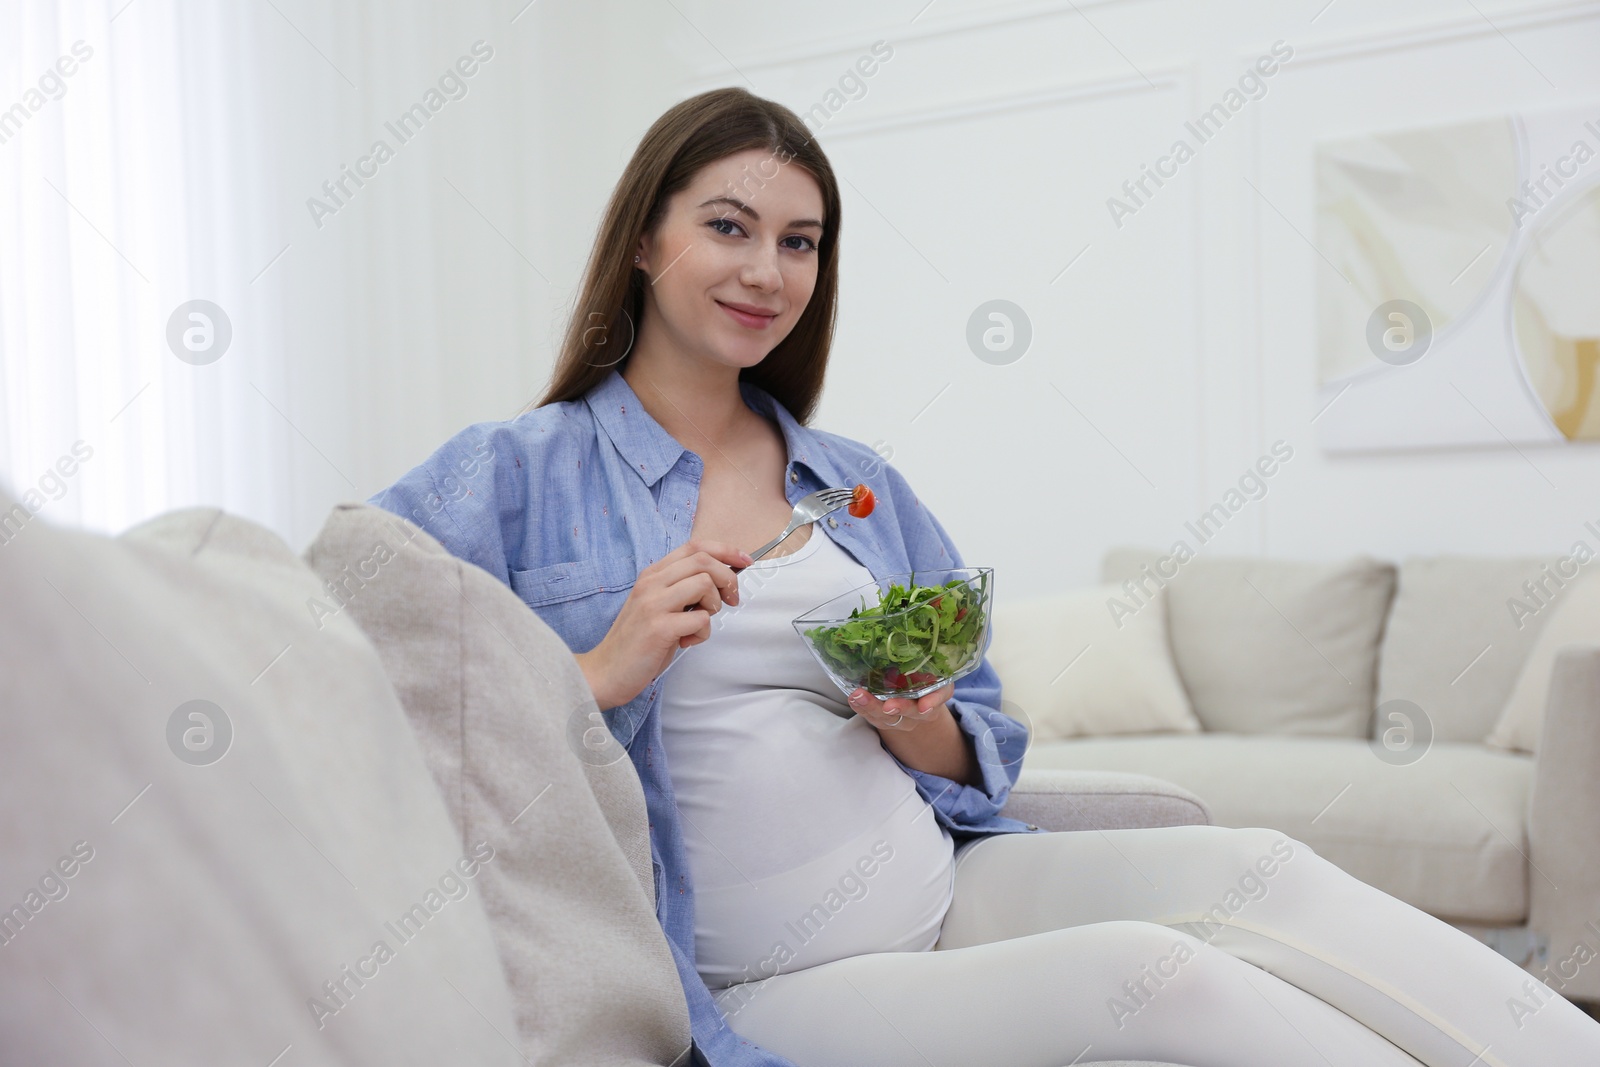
{"x":761,"y":271}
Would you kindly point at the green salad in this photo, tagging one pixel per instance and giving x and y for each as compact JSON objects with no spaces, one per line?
{"x":887,"y":647}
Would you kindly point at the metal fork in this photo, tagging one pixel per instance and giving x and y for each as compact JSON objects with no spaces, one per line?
{"x":809,"y":509}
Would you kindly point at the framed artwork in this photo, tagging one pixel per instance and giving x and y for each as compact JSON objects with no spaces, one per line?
{"x":1463,"y":307}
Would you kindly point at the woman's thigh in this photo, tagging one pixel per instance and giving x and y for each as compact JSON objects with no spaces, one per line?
{"x":1008,"y":885}
{"x":1266,"y":898}
{"x":1108,"y":990}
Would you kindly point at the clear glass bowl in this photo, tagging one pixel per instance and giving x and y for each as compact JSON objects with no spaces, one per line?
{"x":903,"y":653}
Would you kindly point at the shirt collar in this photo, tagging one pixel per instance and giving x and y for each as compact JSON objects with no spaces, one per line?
{"x":651,"y":451}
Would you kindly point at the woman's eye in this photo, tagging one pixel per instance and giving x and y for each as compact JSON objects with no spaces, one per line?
{"x":808,"y":246}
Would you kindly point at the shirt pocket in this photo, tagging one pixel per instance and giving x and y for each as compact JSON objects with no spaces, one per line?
{"x":578,"y":600}
{"x":558,"y":583}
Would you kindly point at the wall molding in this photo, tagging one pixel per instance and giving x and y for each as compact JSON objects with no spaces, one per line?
{"x":1161,"y":80}
{"x":844,"y":44}
{"x":1365,"y":42}
{"x":1431,"y":32}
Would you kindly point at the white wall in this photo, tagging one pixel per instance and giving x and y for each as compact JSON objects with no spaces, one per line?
{"x":1179,"y":347}
{"x":976,"y":166}
{"x":436,"y":299}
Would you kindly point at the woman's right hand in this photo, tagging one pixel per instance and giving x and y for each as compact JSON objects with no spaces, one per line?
{"x":669,"y":607}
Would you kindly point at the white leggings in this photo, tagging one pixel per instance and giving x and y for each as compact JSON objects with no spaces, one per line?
{"x":1203,"y":945}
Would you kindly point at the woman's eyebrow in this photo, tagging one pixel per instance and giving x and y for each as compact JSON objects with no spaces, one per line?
{"x":740,"y":205}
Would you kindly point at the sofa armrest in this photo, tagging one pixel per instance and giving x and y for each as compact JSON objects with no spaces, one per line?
{"x":1563,"y":816}
{"x":1101,"y":800}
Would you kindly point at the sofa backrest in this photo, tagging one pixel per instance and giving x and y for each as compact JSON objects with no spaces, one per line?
{"x":221,"y":841}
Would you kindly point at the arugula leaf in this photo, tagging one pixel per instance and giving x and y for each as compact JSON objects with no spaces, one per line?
{"x":936,"y":636}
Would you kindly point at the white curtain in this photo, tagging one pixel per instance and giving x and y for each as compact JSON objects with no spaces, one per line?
{"x":126,"y":180}
{"x":175,"y":163}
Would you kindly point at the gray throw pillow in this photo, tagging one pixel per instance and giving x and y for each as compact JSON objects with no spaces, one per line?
{"x":1453,"y":646}
{"x":1271,"y":646}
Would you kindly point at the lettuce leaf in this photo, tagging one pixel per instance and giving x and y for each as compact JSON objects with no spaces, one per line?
{"x":937,"y":636}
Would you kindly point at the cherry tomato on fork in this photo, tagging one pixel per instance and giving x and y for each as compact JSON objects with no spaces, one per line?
{"x":861,"y":502}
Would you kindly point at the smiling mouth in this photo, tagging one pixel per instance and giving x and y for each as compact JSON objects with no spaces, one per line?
{"x":745,"y":318}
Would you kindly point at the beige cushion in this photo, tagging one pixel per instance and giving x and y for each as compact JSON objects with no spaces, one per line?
{"x":502,"y":711}
{"x":1272,"y":646}
{"x":1573,"y":618}
{"x":1446,"y":833}
{"x":1451,"y":646}
{"x":221,"y":896}
{"x":1072,"y":670}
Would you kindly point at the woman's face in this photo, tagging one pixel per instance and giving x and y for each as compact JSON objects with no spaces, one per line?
{"x":742,"y":237}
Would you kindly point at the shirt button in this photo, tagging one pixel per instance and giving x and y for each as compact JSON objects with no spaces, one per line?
{"x":1032,"y":827}
{"x":794,"y":475}
{"x":833,"y":522}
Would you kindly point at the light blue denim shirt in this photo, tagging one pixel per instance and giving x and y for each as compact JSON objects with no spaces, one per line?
{"x":567,"y":503}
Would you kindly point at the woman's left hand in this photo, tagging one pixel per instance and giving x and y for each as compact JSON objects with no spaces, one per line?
{"x":901,"y":713}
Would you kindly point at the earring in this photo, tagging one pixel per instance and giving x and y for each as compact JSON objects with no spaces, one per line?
{"x":636,"y":259}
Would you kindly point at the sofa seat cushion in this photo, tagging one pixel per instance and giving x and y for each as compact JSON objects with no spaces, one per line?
{"x":1446,"y":833}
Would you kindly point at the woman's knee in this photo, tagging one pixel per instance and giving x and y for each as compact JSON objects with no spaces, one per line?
{"x":1136,"y":939}
{"x":1241,"y":868}
{"x":1131,"y":949}
{"x":1248,"y":854}
{"x":1145,"y":963}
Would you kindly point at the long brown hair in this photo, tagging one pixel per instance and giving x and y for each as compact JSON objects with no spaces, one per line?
{"x":691,"y":134}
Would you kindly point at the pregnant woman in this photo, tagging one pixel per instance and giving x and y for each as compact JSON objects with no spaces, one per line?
{"x":833,"y":876}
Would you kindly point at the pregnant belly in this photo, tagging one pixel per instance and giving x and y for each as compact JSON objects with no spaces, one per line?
{"x":884,"y":889}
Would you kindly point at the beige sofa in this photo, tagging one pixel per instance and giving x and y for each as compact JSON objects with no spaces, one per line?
{"x":1349,"y":704}
{"x":232,"y":774}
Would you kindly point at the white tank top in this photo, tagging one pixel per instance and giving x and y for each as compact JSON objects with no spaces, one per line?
{"x":806,"y":841}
